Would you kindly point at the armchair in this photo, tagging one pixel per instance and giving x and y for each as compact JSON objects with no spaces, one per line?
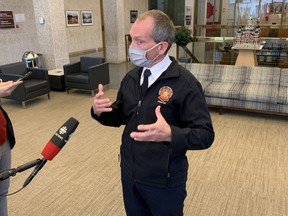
{"x":35,"y":85}
{"x":86,"y":74}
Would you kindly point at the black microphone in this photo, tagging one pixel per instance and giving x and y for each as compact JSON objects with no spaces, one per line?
{"x":28,"y":165}
{"x":54,"y":146}
{"x":12,"y":172}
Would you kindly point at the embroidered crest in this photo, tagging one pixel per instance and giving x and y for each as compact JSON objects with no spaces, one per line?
{"x":165,"y":93}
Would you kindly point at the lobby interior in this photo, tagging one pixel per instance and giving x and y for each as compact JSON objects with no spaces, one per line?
{"x":244,"y":173}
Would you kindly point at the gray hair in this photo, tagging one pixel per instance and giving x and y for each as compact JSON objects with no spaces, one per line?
{"x":163,"y":30}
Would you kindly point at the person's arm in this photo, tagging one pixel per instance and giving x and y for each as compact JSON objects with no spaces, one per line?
{"x":105,"y":112}
{"x":6,"y":88}
{"x":160,"y":131}
{"x":198,"y":133}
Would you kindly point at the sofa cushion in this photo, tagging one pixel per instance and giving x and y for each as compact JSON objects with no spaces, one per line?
{"x":227,"y":82}
{"x":259,"y":93}
{"x":205,"y":84}
{"x":284,"y":77}
{"x":283,"y":95}
{"x":283,"y":88}
{"x":263,"y":75}
{"x":203,"y":72}
{"x":18,"y":68}
{"x":229,"y":74}
{"x":223,"y":90}
{"x":261,"y":85}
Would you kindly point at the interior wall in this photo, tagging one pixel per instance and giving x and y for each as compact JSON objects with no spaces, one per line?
{"x":28,"y":34}
{"x":117,"y":24}
{"x":139,"y":5}
{"x":15,"y":41}
{"x":82,"y":38}
{"x":52,"y":33}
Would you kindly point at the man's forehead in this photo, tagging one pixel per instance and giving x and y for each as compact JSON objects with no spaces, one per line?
{"x":142,"y":28}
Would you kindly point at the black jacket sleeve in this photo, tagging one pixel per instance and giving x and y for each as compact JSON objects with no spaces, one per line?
{"x":198,"y":132}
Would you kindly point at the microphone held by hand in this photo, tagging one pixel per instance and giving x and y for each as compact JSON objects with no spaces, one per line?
{"x":35,"y":171}
{"x":28,"y":165}
{"x":59,"y":139}
{"x":12,"y":172}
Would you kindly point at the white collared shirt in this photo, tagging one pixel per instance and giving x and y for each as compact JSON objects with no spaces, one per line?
{"x":156,"y":70}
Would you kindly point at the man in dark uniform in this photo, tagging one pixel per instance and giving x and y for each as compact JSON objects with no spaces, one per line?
{"x":164,"y":111}
{"x":7,"y":142}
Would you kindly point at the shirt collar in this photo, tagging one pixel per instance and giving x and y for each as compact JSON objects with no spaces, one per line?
{"x":157,"y":69}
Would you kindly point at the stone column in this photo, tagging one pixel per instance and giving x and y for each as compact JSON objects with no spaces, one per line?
{"x":114,"y":23}
{"x":52,"y":37}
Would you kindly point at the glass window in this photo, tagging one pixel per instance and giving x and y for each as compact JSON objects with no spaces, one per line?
{"x":173,"y":8}
{"x":265,"y":11}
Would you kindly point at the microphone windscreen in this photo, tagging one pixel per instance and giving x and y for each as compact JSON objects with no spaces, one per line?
{"x":50,"y":151}
{"x":59,"y":139}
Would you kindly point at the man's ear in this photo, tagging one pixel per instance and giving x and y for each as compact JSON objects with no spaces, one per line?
{"x":163,"y":47}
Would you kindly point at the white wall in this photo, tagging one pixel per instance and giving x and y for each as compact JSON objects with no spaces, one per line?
{"x":139,"y":5}
{"x":82,"y":38}
{"x":15,"y":41}
{"x":45,"y":39}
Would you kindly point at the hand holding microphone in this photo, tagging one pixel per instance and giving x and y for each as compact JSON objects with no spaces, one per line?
{"x":54,"y":146}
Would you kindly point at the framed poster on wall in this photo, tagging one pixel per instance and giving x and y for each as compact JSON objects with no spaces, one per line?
{"x":133,"y":15}
{"x":72,"y":18}
{"x":87,"y":17}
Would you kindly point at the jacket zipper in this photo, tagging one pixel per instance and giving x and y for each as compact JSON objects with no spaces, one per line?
{"x":138,"y":107}
{"x":132,"y":141}
{"x":168,"y":167}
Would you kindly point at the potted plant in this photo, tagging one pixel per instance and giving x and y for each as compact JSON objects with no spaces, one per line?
{"x":183,"y":36}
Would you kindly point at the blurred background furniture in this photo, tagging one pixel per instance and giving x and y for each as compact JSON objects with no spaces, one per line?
{"x":34,"y":86}
{"x":86,"y":74}
{"x":56,"y":79}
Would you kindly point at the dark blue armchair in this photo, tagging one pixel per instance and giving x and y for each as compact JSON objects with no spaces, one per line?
{"x":86,"y":74}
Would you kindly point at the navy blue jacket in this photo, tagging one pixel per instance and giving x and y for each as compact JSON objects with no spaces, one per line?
{"x":184,"y":108}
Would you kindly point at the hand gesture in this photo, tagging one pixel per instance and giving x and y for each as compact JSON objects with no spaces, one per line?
{"x":6,"y":88}
{"x":159,"y":131}
{"x":101,"y":103}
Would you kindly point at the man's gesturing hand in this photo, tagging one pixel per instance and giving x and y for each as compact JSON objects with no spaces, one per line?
{"x":101,"y":103}
{"x":159,"y":131}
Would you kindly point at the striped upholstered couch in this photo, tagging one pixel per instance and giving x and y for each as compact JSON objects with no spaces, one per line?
{"x":257,"y":89}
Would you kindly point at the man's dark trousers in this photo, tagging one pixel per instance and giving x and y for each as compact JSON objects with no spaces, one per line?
{"x":144,"y":200}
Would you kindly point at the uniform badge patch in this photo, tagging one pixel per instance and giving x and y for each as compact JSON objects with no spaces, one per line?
{"x":165,"y":93}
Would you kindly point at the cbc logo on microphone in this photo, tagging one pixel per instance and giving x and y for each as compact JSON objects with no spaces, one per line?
{"x":63,"y":130}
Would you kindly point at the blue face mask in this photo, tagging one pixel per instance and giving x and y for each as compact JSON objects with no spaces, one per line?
{"x":138,"y":56}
